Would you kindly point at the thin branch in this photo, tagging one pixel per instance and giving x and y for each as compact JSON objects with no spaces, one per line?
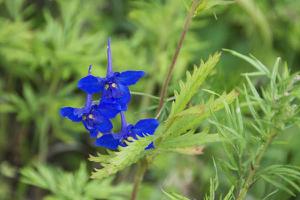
{"x":253,"y":168}
{"x":150,"y":96}
{"x":139,"y":178}
{"x":142,"y":168}
{"x":186,"y":26}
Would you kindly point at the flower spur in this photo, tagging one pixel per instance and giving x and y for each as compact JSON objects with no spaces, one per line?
{"x":114,"y":87}
{"x":115,"y":96}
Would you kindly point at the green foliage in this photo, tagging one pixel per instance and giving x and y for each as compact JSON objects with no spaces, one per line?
{"x":214,"y":184}
{"x":273,"y":109}
{"x":174,"y":196}
{"x":284,"y":177}
{"x":175,"y":128}
{"x":206,"y":5}
{"x":192,"y":83}
{"x":66,"y":185}
{"x":45,"y":46}
{"x":117,"y":161}
{"x":190,"y":139}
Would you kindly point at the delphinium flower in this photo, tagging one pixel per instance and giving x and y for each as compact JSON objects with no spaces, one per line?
{"x":94,"y":117}
{"x":128,"y":133}
{"x":113,"y":87}
{"x":115,"y":96}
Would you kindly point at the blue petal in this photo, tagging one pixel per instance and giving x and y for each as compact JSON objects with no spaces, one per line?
{"x":150,"y":146}
{"x":122,"y":99}
{"x":117,"y":92}
{"x":107,"y":141}
{"x":98,"y":122}
{"x":105,"y":125}
{"x":73,"y":114}
{"x":93,"y":133}
{"x":129,"y":77}
{"x":109,"y":109}
{"x":90,"y":84}
{"x":145,"y":126}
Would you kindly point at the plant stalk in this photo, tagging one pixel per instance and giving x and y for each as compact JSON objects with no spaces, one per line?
{"x":167,"y":80}
{"x":139,"y":178}
{"x":144,"y":164}
{"x":253,"y":168}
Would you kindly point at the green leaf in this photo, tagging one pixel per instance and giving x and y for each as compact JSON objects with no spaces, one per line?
{"x":278,"y":184}
{"x":69,"y":186}
{"x":190,"y":140}
{"x":174,"y":196}
{"x":121,"y":159}
{"x":282,"y":175}
{"x":193,"y":81}
{"x":40,"y":176}
{"x":208,"y":4}
{"x":251,"y":60}
{"x":192,"y":117}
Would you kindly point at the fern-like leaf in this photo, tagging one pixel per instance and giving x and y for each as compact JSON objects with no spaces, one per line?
{"x":192,"y":117}
{"x":190,"y":140}
{"x":193,"y":81}
{"x":121,"y":159}
{"x":178,"y":123}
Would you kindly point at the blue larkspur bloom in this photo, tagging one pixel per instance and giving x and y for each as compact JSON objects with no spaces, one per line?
{"x":128,"y":133}
{"x":114,"y":87}
{"x":95,"y":117}
{"x":115,"y":96}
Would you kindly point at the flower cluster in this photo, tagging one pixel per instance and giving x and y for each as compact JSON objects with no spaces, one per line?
{"x":115,"y":95}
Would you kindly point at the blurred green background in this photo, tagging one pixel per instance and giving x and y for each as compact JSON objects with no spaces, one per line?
{"x":47,"y":45}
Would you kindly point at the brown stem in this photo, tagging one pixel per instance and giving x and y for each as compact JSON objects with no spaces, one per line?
{"x":187,"y":22}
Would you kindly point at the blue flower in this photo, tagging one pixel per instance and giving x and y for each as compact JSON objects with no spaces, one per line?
{"x":90,"y":84}
{"x":128,"y":132}
{"x":114,"y":87}
{"x":95,"y":117}
{"x":115,"y":96}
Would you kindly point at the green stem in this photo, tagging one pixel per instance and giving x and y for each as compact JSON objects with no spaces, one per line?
{"x":144,"y":94}
{"x":150,"y":96}
{"x":186,"y":26}
{"x":253,"y":168}
{"x":139,"y":177}
{"x":144,"y":164}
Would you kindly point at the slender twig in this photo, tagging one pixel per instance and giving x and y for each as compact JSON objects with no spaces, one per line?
{"x":150,"y":96}
{"x":139,"y":178}
{"x":167,"y":80}
{"x":143,"y":163}
{"x":254,"y":167}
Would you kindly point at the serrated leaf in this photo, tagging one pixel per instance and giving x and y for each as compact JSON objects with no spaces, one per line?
{"x":40,"y":176}
{"x":67,"y":185}
{"x":198,"y":150}
{"x":190,"y":140}
{"x":192,"y":117}
{"x":123,"y":158}
{"x":190,"y":87}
